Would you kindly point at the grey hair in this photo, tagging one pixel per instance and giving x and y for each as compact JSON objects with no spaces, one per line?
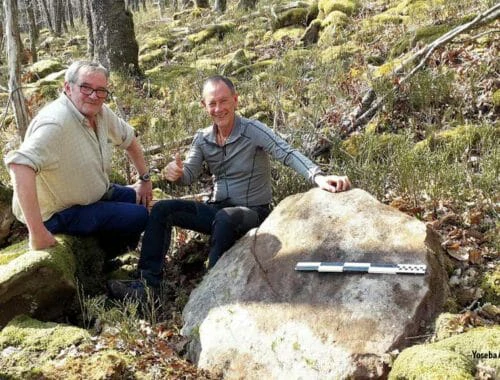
{"x":217,"y":79}
{"x":73,"y":70}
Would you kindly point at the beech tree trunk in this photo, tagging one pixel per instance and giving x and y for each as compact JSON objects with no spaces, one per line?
{"x":115,"y":46}
{"x":32,"y":28}
{"x":69,"y":17}
{"x":247,"y":4}
{"x":81,"y":10}
{"x":58,"y":12}
{"x":48,"y":18}
{"x":90,"y":28}
{"x":14,"y":48}
{"x":202,"y":3}
{"x":220,"y":6}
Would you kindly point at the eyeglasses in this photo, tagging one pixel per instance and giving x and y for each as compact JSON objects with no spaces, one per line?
{"x":100,"y":93}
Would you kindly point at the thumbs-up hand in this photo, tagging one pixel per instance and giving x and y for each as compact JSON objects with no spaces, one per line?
{"x":178,"y":161}
{"x":174,"y":169}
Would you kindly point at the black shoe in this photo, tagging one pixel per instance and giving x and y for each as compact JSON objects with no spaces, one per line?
{"x":128,"y":289}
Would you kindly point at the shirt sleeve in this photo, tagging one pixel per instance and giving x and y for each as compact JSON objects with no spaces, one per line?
{"x":39,"y":149}
{"x":120,"y":132}
{"x":283,"y":152}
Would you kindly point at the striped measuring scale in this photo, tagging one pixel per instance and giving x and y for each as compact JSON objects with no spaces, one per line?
{"x":352,"y":267}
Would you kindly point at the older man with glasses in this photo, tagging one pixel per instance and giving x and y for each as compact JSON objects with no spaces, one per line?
{"x":61,"y":171}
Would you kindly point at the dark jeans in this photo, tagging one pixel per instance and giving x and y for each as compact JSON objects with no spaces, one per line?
{"x":116,"y":220}
{"x":225,"y":223}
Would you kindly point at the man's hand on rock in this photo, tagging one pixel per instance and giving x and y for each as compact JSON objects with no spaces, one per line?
{"x":332,"y":183}
{"x":42,"y":239}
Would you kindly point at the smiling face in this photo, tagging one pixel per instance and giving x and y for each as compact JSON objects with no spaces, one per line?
{"x":220,"y":103}
{"x":88,"y":105}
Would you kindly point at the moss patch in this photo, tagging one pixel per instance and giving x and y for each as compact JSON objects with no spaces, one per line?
{"x":452,"y":358}
{"x":291,"y":17}
{"x":218,"y":30}
{"x":349,"y":7}
{"x":491,"y":285}
{"x":30,"y":343}
{"x":44,"y":67}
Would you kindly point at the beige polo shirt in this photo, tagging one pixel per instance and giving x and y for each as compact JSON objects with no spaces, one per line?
{"x":72,"y":161}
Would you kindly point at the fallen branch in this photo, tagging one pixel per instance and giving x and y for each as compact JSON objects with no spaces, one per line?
{"x":357,"y":119}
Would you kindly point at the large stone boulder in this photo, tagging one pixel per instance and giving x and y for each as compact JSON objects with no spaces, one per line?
{"x":254,"y":316}
{"x":43,"y":283}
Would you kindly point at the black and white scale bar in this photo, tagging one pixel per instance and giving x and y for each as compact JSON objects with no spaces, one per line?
{"x":342,"y":267}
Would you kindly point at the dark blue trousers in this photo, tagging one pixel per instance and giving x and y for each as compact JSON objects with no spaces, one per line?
{"x":116,"y":220}
{"x":225,"y":224}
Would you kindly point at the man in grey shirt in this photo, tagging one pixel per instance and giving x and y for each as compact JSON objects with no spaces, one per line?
{"x":237,"y":152}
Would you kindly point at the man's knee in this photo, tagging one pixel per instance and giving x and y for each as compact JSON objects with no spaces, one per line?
{"x":163,"y":210}
{"x":239,"y":219}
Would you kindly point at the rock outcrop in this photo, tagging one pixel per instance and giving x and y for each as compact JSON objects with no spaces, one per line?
{"x":254,"y":316}
{"x":43,"y":284}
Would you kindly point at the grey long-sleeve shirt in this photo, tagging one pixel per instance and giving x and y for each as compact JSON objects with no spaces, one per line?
{"x":241,"y":167}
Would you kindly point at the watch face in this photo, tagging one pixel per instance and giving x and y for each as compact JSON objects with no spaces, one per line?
{"x":145,"y":177}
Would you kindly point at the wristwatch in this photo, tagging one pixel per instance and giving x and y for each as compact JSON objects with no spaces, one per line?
{"x":145,"y":177}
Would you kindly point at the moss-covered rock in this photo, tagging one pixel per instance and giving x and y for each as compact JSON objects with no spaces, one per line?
{"x":387,"y":69}
{"x":156,"y":42}
{"x":294,"y":32}
{"x":237,"y":60}
{"x":218,"y":30}
{"x":43,"y":68}
{"x":312,"y":12}
{"x":334,"y":53}
{"x":27,"y":344}
{"x":105,"y":364}
{"x":43,"y":283}
{"x":447,"y":325}
{"x":491,"y":285}
{"x":152,"y":58}
{"x":456,"y":357}
{"x":165,"y":74}
{"x":311,"y":34}
{"x":425,"y":34}
{"x":330,"y":36}
{"x":337,"y":18}
{"x":349,"y":7}
{"x":297,"y":16}
{"x":456,"y":139}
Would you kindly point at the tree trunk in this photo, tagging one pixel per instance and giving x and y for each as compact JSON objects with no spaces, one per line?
{"x":32,"y":28}
{"x":64,"y":20}
{"x":144,"y":8}
{"x":202,"y":4}
{"x":14,"y":49}
{"x":90,"y":28}
{"x":47,"y":16}
{"x":247,"y":4}
{"x":57,"y":11}
{"x":69,"y":17}
{"x":115,"y":44}
{"x":81,"y":10}
{"x":220,"y":6}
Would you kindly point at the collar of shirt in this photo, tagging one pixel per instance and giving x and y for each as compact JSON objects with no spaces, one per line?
{"x":74,"y":111}
{"x":235,"y":133}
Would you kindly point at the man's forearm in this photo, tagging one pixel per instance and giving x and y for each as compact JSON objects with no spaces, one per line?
{"x":136,"y":155}
{"x":24,"y":179}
